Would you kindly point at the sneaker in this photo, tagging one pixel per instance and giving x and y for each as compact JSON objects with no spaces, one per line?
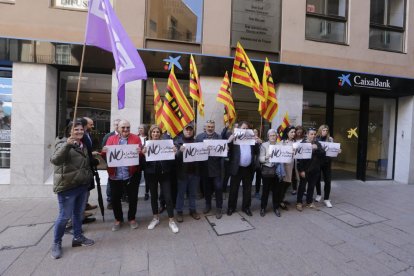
{"x":180,"y":217}
{"x":116,"y":227}
{"x":194,"y":215}
{"x":311,"y":206}
{"x":328,"y":203}
{"x":294,"y":192}
{"x":154,"y":222}
{"x":133,"y":224}
{"x":82,"y":241}
{"x":318,"y":198}
{"x":109,"y":206}
{"x":173,"y":226}
{"x":56,"y":251}
{"x":299,"y":207}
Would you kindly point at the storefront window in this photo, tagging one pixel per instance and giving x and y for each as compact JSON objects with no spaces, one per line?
{"x":179,"y":20}
{"x":94,"y":102}
{"x":326,"y":20}
{"x":381,"y":128}
{"x":314,"y":109}
{"x":5,"y":120}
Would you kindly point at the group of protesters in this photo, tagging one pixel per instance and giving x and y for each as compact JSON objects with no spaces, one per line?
{"x":178,"y":179}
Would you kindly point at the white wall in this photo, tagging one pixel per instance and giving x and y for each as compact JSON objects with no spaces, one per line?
{"x":290,"y":97}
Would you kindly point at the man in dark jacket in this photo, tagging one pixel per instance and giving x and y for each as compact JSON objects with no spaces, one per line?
{"x":187,"y":175}
{"x":309,"y":170}
{"x":241,"y":169}
{"x":211,"y":172}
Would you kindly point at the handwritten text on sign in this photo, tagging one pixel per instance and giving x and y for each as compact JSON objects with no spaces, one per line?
{"x":217,"y":148}
{"x":302,"y":150}
{"x":281,"y":153}
{"x":244,"y":137}
{"x":331,"y":149}
{"x":122,"y":155}
{"x":195,"y":152}
{"x":159,"y":150}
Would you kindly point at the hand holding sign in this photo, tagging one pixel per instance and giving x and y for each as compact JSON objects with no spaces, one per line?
{"x":122,"y":155}
{"x":303,"y":151}
{"x":244,"y":137}
{"x":331,"y":149}
{"x":157,"y":150}
{"x":280,"y":153}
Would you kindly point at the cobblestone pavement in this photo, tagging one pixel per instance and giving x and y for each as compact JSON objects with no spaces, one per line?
{"x":369,"y":231}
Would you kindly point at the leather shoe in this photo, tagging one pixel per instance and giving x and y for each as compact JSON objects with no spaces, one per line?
{"x":230,"y":212}
{"x":87,"y":214}
{"x":109,"y":206}
{"x":194,"y":215}
{"x":219,"y":213}
{"x":277,"y":212}
{"x":262,"y":212}
{"x":248,"y":212}
{"x":88,"y":220}
{"x":283,"y":206}
{"x":90,"y":207}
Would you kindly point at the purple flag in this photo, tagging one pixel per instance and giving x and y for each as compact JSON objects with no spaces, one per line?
{"x":104,"y":30}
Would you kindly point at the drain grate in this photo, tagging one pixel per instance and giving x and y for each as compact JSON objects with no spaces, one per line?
{"x":229,"y":224}
{"x":21,"y":236}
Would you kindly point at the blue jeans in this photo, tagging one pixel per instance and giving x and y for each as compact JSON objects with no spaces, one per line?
{"x":190,"y":182}
{"x":71,"y":205}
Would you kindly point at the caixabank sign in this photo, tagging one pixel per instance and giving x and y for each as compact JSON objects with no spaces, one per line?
{"x":363,"y":81}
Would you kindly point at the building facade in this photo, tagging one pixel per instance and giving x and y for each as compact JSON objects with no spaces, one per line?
{"x":341,"y":62}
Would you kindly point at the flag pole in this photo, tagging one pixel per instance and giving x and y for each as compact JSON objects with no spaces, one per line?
{"x":79,"y":82}
{"x":261,"y":125}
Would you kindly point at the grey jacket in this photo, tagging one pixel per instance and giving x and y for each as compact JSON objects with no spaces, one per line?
{"x":71,"y":166}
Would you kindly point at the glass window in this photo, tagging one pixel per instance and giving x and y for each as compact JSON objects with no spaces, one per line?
{"x":326,"y":20}
{"x":175,"y":20}
{"x":314,"y":109}
{"x":5,"y":119}
{"x":94,"y":102}
{"x":387,"y":25}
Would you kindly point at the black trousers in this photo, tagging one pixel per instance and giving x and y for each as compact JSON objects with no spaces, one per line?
{"x":327,"y":176}
{"x":258,"y":179}
{"x":244,"y":175}
{"x":213,"y":184}
{"x":311,"y":178}
{"x":165,"y":185}
{"x":117,"y":189}
{"x":273,"y":184}
{"x":226,"y":175}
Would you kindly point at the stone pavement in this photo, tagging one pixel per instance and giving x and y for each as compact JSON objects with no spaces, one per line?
{"x":370,"y":231}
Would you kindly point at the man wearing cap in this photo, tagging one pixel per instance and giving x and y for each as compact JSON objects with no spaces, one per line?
{"x":211,"y":172}
{"x":187,"y":175}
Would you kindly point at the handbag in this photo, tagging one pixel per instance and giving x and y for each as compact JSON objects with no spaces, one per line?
{"x":268,"y":171}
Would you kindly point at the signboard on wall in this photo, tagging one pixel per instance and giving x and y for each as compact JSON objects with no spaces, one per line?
{"x":256,"y":24}
{"x":74,"y":4}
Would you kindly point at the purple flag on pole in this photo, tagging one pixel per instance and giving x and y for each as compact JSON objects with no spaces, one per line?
{"x":104,"y":30}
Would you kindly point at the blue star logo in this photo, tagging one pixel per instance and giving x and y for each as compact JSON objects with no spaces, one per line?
{"x":173,"y":61}
{"x":344,"y":79}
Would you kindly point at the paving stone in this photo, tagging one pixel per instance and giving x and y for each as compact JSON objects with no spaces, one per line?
{"x":8,"y":257}
{"x":360,"y":213}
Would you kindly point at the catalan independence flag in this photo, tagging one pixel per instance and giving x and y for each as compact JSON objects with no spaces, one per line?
{"x":195,"y":87}
{"x":285,"y":124}
{"x":268,"y":108}
{"x":184,"y":107}
{"x":224,"y":96}
{"x":157,"y":106}
{"x":171,"y":115}
{"x":245,"y":74}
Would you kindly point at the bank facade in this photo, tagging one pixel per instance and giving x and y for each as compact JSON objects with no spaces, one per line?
{"x":324,"y":74}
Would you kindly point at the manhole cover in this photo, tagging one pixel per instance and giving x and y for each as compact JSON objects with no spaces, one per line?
{"x":229,"y":224}
{"x":23,"y":235}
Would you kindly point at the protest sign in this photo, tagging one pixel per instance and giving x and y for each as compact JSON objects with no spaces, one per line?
{"x":195,"y":152}
{"x":122,"y":155}
{"x":302,"y":150}
{"x":281,"y":153}
{"x":244,"y":136}
{"x":331,"y":149}
{"x":217,"y":148}
{"x":158,"y":150}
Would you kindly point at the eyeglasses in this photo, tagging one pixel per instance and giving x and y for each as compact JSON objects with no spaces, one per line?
{"x":210,"y":122}
{"x":125,"y":127}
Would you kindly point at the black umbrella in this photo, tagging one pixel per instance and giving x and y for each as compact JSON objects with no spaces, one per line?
{"x":98,"y":188}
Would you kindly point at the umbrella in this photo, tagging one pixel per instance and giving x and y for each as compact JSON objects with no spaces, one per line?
{"x":98,"y":188}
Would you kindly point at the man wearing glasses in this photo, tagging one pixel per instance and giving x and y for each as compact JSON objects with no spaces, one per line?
{"x":124,"y":176}
{"x":211,"y":172}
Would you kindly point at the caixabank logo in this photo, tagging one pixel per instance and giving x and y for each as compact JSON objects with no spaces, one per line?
{"x":357,"y":80}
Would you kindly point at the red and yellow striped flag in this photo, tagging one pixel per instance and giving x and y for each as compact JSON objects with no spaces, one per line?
{"x":224,"y":96}
{"x":184,"y":107}
{"x":285,"y":124}
{"x":195,"y":87}
{"x":157,"y":106}
{"x":171,"y":115}
{"x":268,"y":108}
{"x":245,"y":74}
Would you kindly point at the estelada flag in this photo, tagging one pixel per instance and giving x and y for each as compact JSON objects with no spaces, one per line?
{"x":195,"y":87}
{"x":245,"y":74}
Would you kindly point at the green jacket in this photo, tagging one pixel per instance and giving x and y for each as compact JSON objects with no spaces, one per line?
{"x":72,"y":167}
